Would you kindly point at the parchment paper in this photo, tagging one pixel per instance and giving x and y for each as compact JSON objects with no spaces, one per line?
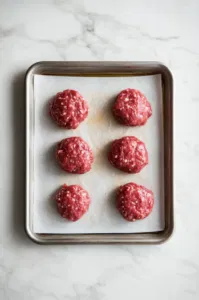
{"x":99,"y":129}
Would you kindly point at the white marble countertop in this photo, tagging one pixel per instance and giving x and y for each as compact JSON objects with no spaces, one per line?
{"x":165,"y":31}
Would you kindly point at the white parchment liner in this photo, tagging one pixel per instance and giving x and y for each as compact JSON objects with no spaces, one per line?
{"x":99,"y":129}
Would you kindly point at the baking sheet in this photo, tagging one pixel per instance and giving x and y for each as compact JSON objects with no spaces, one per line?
{"x":99,"y":129}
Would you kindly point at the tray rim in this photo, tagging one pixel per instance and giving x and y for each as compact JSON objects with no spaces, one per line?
{"x":128,"y":68}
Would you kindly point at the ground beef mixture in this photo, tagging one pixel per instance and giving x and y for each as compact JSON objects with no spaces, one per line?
{"x":134,"y":201}
{"x":132,"y":108}
{"x":74,"y":155}
{"x":72,"y":202}
{"x":68,"y":109}
{"x":128,"y":154}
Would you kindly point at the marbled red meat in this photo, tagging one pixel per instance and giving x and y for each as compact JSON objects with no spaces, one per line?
{"x":134,"y":201}
{"x":128,"y":154}
{"x":132,"y":108}
{"x":72,"y":202}
{"x":74,"y":155}
{"x":68,"y":109}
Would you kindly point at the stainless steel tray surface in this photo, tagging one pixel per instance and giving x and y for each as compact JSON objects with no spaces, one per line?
{"x":109,"y":69}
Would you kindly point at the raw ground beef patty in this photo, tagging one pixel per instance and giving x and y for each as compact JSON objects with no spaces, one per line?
{"x":68,"y":109}
{"x":132,"y":108}
{"x":128,"y":154}
{"x":134,"y":201}
{"x":74,"y":155}
{"x":72,"y":202}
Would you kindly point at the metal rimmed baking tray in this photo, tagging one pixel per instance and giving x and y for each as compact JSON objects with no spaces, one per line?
{"x":109,"y":70}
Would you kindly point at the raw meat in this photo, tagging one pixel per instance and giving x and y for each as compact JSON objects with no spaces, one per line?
{"x":72,"y":202}
{"x":74,"y":155}
{"x":132,"y":108}
{"x":68,"y":109}
{"x":134,"y":201}
{"x":128,"y":154}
